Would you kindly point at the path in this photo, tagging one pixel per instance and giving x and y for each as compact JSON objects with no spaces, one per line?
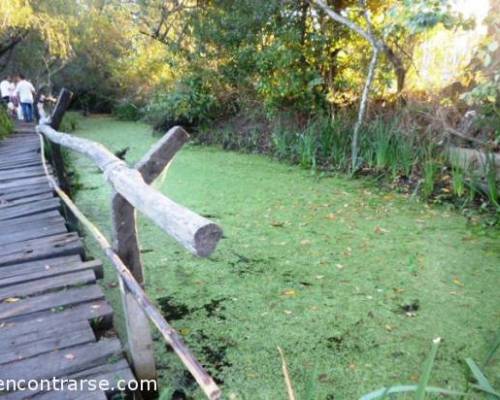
{"x":54,"y":319}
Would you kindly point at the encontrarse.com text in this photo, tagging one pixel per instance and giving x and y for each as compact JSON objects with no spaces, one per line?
{"x":76,"y":385}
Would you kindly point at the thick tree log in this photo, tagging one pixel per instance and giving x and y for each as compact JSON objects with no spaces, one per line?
{"x":194,"y":232}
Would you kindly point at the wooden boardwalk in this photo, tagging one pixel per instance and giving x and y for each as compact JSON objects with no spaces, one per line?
{"x":54,"y":319}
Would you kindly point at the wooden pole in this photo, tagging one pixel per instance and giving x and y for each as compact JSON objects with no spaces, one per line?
{"x":196,"y":233}
{"x":204,"y":380}
{"x":126,"y":245}
{"x":63,"y":102}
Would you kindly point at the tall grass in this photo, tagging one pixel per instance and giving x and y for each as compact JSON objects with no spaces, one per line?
{"x":476,"y":378}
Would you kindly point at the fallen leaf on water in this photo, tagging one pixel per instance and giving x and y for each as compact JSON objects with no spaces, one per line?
{"x":457,"y":282}
{"x":11,"y":299}
{"x":331,"y":217}
{"x":380,"y":230}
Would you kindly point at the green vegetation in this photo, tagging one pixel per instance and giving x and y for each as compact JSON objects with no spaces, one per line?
{"x":352,"y":281}
{"x":369,"y":228}
{"x":71,"y":122}
{"x":6,"y":124}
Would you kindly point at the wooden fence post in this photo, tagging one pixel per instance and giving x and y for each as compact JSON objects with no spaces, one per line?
{"x":63,"y":102}
{"x":126,"y":245}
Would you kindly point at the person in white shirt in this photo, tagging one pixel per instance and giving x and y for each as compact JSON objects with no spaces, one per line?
{"x":6,"y":89}
{"x":26,"y":93}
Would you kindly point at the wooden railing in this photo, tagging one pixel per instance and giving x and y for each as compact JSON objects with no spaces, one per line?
{"x":132,"y":191}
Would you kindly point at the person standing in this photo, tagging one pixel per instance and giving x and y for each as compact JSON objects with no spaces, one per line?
{"x":5,"y":89}
{"x":26,"y":93}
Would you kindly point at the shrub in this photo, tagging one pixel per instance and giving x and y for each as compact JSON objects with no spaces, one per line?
{"x":70,"y":122}
{"x":6,"y":124}
{"x":190,"y":103}
{"x":127,"y":112}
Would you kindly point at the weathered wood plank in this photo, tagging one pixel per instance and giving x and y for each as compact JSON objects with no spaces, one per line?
{"x":24,"y":210}
{"x":32,"y":232}
{"x":49,"y":271}
{"x":25,"y":333}
{"x":14,"y":194}
{"x":39,"y":265}
{"x":47,"y":341}
{"x":52,"y":246}
{"x":45,"y":217}
{"x":44,"y":285}
{"x":64,"y":362}
{"x":4,"y":203}
{"x":97,"y":312}
{"x":48,"y":302}
{"x":19,"y":183}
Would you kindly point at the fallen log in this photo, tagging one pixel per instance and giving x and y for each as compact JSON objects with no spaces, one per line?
{"x":196,"y":233}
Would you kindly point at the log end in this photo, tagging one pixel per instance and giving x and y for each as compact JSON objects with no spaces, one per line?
{"x":206,"y":239}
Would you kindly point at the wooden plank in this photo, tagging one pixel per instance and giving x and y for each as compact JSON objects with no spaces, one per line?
{"x":48,"y":302}
{"x":24,"y":333}
{"x":19,"y":173}
{"x":24,"y":183}
{"x":31,"y":232}
{"x":28,"y":346}
{"x":49,"y":271}
{"x":38,"y":265}
{"x":14,"y":194}
{"x":23,"y":158}
{"x":98,"y":312}
{"x":32,"y":220}
{"x":4,"y":203}
{"x":44,"y":285}
{"x":27,"y":245}
{"x":24,"y":210}
{"x":11,"y":166}
{"x":52,"y":246}
{"x":63,"y":362}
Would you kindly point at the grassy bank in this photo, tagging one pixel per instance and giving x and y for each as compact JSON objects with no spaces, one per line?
{"x":352,"y":282}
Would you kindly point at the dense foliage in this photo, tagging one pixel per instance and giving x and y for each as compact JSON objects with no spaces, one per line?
{"x":275,"y":76}
{"x":6,"y":124}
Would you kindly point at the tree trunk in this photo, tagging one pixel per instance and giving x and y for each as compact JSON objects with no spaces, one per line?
{"x":362,"y":110}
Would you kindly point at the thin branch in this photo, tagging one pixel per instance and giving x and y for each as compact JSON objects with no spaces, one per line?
{"x":286,"y":375}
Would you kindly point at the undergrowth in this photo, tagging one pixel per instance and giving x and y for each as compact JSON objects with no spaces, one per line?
{"x":400,"y":158}
{"x":6,"y":124}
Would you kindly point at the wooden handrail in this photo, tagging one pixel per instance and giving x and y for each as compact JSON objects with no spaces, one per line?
{"x":196,"y":233}
{"x":206,"y":383}
{"x":132,"y":191}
